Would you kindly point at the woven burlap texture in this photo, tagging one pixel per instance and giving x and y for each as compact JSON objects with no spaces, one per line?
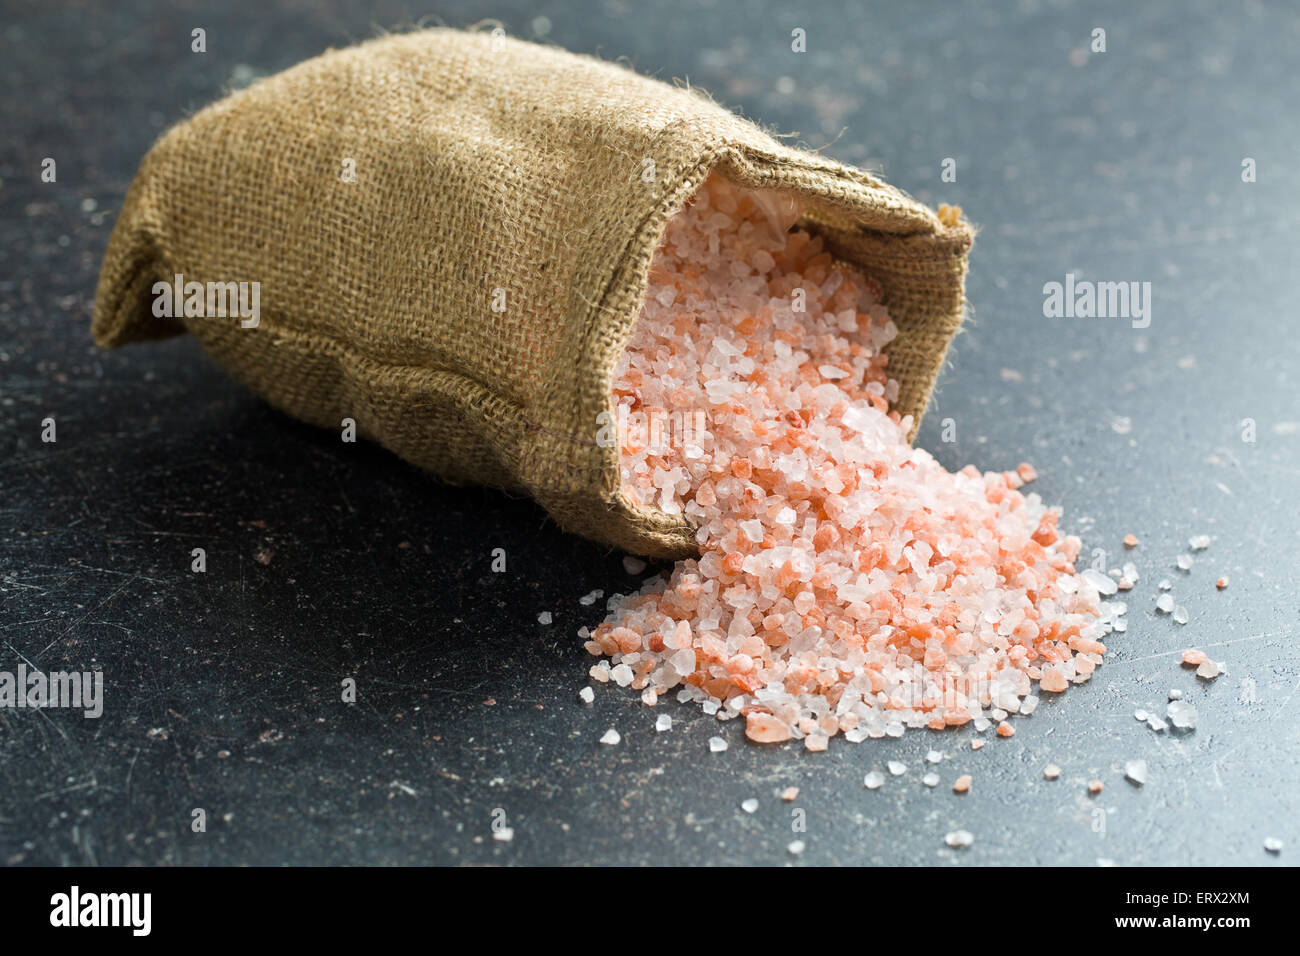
{"x":489,"y":172}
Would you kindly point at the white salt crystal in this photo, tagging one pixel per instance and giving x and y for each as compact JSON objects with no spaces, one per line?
{"x":504,"y":835}
{"x":1199,"y":542}
{"x":1051,"y":771}
{"x":897,"y":768}
{"x":1180,"y":615}
{"x":1181,"y":714}
{"x":683,"y":661}
{"x":749,"y":806}
{"x":663,"y":722}
{"x":1164,"y":584}
{"x":544,"y":617}
{"x":1103,"y":583}
{"x":1164,"y":604}
{"x":933,"y":756}
{"x":830,"y":371}
{"x":796,"y":847}
{"x":591,"y":598}
{"x":959,"y":839}
{"x":1273,"y":844}
{"x":1156,"y":724}
{"x":1185,"y":562}
{"x":622,"y":675}
{"x":717,"y":745}
{"x":1136,"y":770}
{"x":1140,"y":716}
{"x":611,"y":737}
{"x":633,"y":565}
{"x":1209,"y":669}
{"x":586,"y":695}
{"x":930,"y":780}
{"x":1175,"y":694}
{"x":649,"y":696}
{"x":1029,"y":705}
{"x":874,"y":780}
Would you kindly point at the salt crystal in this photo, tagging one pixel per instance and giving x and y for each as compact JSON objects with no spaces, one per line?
{"x":1140,"y":716}
{"x":749,"y":806}
{"x":930,"y":780}
{"x":586,"y":695}
{"x":717,"y":745}
{"x":1051,"y":771}
{"x":1156,"y":724}
{"x":896,"y":768}
{"x":1180,"y":615}
{"x":622,"y":675}
{"x":1101,"y":582}
{"x":591,"y":598}
{"x":1199,"y":542}
{"x":796,"y":847}
{"x":503,"y":835}
{"x":933,"y":756}
{"x":1136,"y":770}
{"x":1164,"y":584}
{"x":544,"y":617}
{"x":874,"y":780}
{"x":959,"y":839}
{"x":1175,"y":694}
{"x":789,"y":794}
{"x":663,"y":722}
{"x":1185,"y":562}
{"x":1181,"y":714}
{"x":1164,"y":604}
{"x":1273,"y":844}
{"x":611,"y":737}
{"x":1208,"y":670}
{"x":633,"y":565}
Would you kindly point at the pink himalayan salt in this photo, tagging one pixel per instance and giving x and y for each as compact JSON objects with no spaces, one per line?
{"x":847,"y":583}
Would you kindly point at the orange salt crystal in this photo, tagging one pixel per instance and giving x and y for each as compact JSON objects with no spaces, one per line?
{"x":1194,"y":658}
{"x":1054,"y":681}
{"x":1130,"y":541}
{"x":976,"y":744}
{"x":766,"y":729}
{"x":1095,"y":786}
{"x":961,"y":784}
{"x":789,"y":794}
{"x":1006,"y":730}
{"x":1026,"y":472}
{"x":1221,"y":583}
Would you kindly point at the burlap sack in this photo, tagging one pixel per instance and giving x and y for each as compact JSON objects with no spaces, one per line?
{"x":487,"y":172}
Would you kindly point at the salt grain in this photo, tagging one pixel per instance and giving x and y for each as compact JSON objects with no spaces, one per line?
{"x":1181,"y":714}
{"x":717,"y":745}
{"x":1051,"y":771}
{"x":874,"y":780}
{"x":749,"y":806}
{"x":896,"y":768}
{"x":1273,"y":844}
{"x":796,"y":847}
{"x":586,"y":695}
{"x":663,"y":722}
{"x":544,"y":617}
{"x":930,"y":780}
{"x":611,"y":737}
{"x":1136,"y":770}
{"x":959,"y":839}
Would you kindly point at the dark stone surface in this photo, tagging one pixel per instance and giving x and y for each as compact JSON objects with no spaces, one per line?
{"x":223,"y":689}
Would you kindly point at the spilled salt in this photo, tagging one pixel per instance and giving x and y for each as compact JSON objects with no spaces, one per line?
{"x":847,"y":583}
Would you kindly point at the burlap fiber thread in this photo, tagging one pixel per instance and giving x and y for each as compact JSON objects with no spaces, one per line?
{"x":482,"y":164}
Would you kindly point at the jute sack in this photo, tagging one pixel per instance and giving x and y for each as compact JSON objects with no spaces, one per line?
{"x":452,"y":233}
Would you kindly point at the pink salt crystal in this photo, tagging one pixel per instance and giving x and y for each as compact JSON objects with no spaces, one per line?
{"x":790,"y":794}
{"x":961,"y":784}
{"x":847,"y":583}
{"x":766,"y":729}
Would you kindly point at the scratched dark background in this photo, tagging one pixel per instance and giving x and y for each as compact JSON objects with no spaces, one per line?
{"x":328,"y":561}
